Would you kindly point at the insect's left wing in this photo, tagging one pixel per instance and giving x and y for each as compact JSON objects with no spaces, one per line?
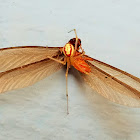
{"x":28,"y":74}
{"x":113,"y":83}
{"x":18,"y":56}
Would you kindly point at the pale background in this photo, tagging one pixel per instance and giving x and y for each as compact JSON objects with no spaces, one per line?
{"x":110,"y":32}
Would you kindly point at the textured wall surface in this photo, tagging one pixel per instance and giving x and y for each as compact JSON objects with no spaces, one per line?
{"x":109,"y":31}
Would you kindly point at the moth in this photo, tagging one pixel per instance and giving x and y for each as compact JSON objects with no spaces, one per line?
{"x":25,"y":65}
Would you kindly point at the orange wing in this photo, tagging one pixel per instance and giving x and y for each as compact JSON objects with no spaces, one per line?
{"x":113,"y":83}
{"x":18,"y":56}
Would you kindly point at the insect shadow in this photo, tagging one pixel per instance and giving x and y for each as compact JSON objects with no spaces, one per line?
{"x":111,"y":117}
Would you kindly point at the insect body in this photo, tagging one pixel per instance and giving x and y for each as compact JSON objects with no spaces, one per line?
{"x":75,"y":58}
{"x":25,"y":65}
{"x":79,"y":63}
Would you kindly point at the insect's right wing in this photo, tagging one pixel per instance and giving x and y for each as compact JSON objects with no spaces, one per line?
{"x":113,"y":83}
{"x":18,"y":56}
{"x":28,"y":74}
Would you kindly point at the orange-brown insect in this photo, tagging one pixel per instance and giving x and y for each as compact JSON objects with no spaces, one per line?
{"x":23,"y":66}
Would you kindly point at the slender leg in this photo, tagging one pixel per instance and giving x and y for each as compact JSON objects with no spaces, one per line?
{"x":74,"y":31}
{"x":76,"y":40}
{"x":68,"y":65}
{"x":83,"y":53}
{"x":67,"y":87}
{"x":81,"y":48}
{"x":59,"y":61}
